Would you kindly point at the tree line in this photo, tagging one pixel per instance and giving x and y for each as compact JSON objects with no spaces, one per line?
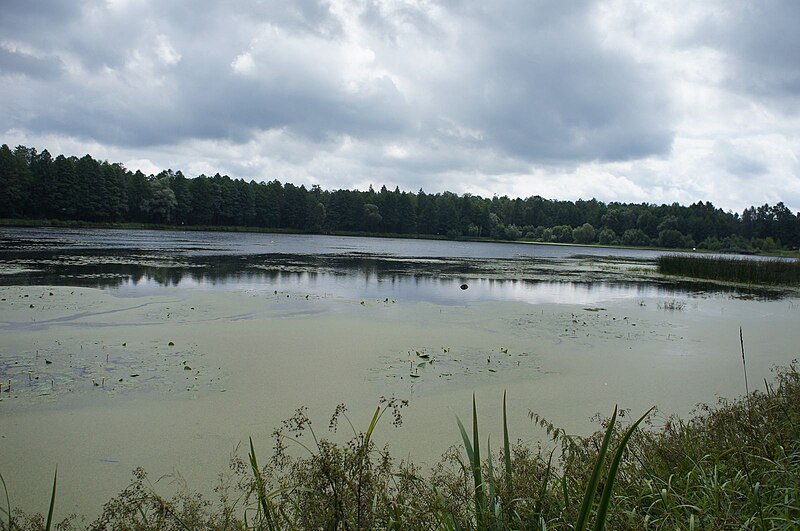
{"x":34,"y":185}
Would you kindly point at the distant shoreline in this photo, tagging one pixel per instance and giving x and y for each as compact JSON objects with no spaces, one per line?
{"x":76,"y":224}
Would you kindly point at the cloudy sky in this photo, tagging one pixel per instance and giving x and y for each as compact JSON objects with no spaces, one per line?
{"x":622,"y":100}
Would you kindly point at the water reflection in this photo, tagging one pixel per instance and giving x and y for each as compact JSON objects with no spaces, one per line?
{"x":358,"y":275}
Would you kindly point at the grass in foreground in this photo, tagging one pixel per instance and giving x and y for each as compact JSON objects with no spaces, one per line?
{"x":775,"y":272}
{"x":732,"y":466}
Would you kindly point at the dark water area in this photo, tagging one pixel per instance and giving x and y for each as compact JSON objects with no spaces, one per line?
{"x":141,"y":262}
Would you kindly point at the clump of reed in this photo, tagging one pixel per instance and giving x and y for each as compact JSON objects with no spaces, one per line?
{"x":730,"y":466}
{"x":775,"y":272}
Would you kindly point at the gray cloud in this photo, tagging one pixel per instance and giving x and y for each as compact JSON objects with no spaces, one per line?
{"x":531,"y":77}
{"x":442,"y":93}
{"x":13,"y":62}
{"x":762,"y":41}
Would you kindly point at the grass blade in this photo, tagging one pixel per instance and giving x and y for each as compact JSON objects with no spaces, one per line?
{"x":49,"y":523}
{"x":744,"y":365}
{"x":372,"y":425}
{"x":490,"y":472}
{"x":465,"y":438}
{"x":260,"y":490}
{"x":537,"y":508}
{"x":605,"y":498}
{"x":476,"y":465}
{"x":8,"y":501}
{"x":588,"y":497}
{"x":506,"y":447}
{"x":474,"y":456}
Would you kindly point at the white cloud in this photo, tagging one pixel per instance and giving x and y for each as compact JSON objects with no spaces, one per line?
{"x":166,"y":52}
{"x":243,"y":64}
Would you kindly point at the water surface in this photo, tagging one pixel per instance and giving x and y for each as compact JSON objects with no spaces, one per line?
{"x":167,"y":349}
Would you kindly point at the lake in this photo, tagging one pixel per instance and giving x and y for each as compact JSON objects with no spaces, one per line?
{"x":168,"y":349}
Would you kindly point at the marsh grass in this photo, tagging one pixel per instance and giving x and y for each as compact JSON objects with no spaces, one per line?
{"x":774,"y":272}
{"x":734,"y":465}
{"x":672,"y":305}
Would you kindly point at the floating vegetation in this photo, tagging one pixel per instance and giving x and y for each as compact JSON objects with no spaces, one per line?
{"x":454,"y":363}
{"x":68,"y":370}
{"x":772,"y":272}
{"x":672,"y":305}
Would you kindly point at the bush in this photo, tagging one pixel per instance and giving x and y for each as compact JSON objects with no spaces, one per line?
{"x":636,"y":238}
{"x":561,"y":234}
{"x":608,"y":237}
{"x":584,"y":234}
{"x":673,"y":239}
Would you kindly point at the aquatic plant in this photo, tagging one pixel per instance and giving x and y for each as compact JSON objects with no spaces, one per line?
{"x":777,"y":271}
{"x":672,"y":305}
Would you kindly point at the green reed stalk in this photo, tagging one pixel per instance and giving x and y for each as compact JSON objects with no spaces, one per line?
{"x":261,"y":493}
{"x":52,"y":503}
{"x":594,"y":479}
{"x":506,"y":447}
{"x":605,"y":498}
{"x":474,"y":456}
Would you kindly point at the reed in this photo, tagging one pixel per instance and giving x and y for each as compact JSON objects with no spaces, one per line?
{"x":772,"y":272}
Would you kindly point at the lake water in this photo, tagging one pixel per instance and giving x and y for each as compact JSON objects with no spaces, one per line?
{"x":142,"y":262}
{"x":167,"y":349}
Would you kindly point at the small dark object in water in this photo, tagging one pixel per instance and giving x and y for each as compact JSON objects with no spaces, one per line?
{"x":464,"y":286}
{"x":171,"y":344}
{"x":47,"y":361}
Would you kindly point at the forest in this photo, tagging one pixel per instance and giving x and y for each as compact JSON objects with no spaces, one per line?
{"x":36,"y":186}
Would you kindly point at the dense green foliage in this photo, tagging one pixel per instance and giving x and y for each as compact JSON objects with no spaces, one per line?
{"x":34,"y":185}
{"x":733,"y":466}
{"x":746,"y":271}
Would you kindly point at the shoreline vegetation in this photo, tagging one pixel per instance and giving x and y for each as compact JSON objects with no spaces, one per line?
{"x":36,"y":186}
{"x":730,"y":466}
{"x":77,"y":224}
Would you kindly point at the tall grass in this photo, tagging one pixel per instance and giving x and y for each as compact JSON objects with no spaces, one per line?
{"x":734,"y":465}
{"x":776,"y":272}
